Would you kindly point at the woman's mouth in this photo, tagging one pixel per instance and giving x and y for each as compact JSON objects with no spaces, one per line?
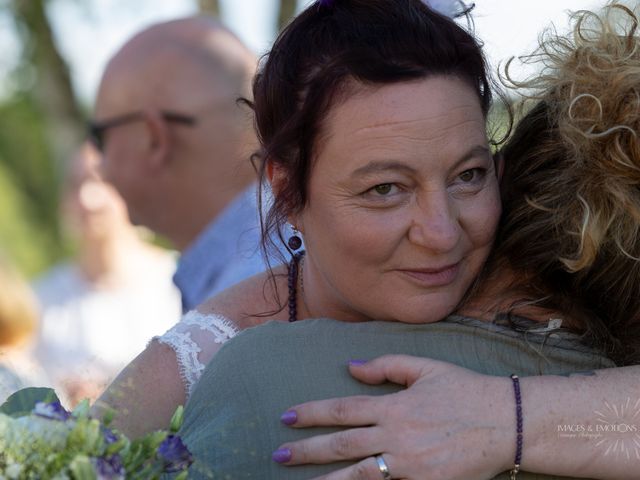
{"x":433,"y":277}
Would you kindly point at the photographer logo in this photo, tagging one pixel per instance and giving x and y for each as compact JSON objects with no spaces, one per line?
{"x":616,"y":430}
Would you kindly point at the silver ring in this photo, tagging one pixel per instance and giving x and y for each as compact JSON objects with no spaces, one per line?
{"x":382,"y":466}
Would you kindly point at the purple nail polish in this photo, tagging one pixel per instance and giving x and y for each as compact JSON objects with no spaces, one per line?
{"x":356,"y":363}
{"x":282,"y":455}
{"x":289,"y":417}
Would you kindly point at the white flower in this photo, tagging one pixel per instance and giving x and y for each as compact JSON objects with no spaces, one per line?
{"x":24,"y":436}
{"x":50,"y":432}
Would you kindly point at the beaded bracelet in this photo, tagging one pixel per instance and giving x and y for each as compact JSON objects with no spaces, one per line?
{"x":516,"y":389}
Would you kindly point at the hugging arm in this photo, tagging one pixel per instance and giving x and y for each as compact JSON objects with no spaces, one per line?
{"x":452,"y":423}
{"x":146,"y":393}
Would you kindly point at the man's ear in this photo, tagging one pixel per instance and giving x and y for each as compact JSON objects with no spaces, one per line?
{"x":159,"y":138}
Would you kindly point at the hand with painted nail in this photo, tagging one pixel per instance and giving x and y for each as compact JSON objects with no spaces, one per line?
{"x":422,"y":432}
{"x":451,"y":423}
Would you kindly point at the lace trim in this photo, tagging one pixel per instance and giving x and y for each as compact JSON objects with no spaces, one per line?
{"x":221,"y":327}
{"x":187,"y":350}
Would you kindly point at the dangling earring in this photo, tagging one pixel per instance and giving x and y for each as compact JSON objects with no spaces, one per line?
{"x":294,"y":242}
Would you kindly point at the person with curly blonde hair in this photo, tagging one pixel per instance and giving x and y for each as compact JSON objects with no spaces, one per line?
{"x":571,"y":184}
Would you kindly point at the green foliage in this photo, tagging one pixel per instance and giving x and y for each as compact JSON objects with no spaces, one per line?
{"x":55,"y":444}
{"x":23,"y":401}
{"x":81,"y":468}
{"x":21,"y":236}
{"x":29,"y":186}
{"x":38,"y":120}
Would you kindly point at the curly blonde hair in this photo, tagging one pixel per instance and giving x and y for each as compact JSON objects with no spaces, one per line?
{"x":571,"y":186}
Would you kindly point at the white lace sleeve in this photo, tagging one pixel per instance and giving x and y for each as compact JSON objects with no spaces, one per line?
{"x":192,"y":339}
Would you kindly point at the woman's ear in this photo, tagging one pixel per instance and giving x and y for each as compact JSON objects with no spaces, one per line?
{"x":276,"y":176}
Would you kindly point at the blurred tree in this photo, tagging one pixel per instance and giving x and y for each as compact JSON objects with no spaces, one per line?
{"x":286,"y":10}
{"x":29,"y":228}
{"x":40,"y":125}
{"x":211,"y":7}
{"x":20,"y":236}
{"x":52,"y":89}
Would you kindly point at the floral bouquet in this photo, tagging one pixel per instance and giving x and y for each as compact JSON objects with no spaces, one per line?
{"x":39,"y":439}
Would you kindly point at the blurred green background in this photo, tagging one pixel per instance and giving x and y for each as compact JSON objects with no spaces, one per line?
{"x":42,"y":121}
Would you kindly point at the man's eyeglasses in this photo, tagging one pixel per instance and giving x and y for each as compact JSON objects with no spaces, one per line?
{"x":97,"y":130}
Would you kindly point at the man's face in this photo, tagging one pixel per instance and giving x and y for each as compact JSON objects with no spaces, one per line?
{"x":124,"y":149}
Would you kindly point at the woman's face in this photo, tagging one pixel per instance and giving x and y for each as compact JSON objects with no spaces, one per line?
{"x":403,"y":203}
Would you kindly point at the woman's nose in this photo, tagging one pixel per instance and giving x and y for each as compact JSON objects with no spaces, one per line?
{"x":435,"y":224}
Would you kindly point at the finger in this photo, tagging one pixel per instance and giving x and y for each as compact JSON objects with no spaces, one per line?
{"x":401,"y":369}
{"x":352,"y":444}
{"x":367,"y":469}
{"x":355,"y":411}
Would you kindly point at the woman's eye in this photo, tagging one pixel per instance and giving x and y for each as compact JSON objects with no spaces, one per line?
{"x":383,"y":188}
{"x":471,"y":175}
{"x":383,"y":194}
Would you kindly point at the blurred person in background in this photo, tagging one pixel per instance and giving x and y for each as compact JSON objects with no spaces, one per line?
{"x":100,"y":309}
{"x":177,"y":145}
{"x":18,"y":322}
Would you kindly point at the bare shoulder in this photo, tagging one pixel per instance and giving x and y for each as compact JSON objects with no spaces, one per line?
{"x":146,"y":393}
{"x":253,"y":301}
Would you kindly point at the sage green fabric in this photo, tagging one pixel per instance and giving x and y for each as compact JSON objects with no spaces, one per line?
{"x":232,"y":419}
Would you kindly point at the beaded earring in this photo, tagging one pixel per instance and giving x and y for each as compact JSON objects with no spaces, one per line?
{"x":294,"y":242}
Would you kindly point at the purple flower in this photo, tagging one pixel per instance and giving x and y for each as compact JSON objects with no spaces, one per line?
{"x":53,"y":411}
{"x":175,"y":454}
{"x":109,"y":436}
{"x":110,"y":468}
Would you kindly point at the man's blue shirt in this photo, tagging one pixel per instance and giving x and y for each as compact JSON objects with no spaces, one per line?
{"x":226,"y":252}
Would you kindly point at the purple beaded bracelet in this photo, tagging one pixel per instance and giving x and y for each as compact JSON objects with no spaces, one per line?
{"x":516,"y":389}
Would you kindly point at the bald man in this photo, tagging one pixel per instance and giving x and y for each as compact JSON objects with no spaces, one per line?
{"x":176,"y":145}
